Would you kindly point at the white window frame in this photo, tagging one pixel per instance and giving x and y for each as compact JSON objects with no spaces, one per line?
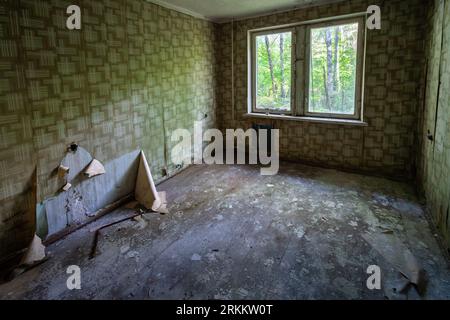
{"x":301,"y":33}
{"x":254,"y":59}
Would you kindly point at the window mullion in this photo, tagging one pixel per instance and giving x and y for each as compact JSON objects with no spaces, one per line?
{"x":300,"y":74}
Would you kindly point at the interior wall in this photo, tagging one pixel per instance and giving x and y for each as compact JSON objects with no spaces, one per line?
{"x":393,"y":66}
{"x":434,"y":156}
{"x":125,"y":81}
{"x":166,"y":69}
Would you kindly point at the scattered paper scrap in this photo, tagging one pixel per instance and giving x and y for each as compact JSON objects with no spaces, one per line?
{"x":145,"y":191}
{"x":399,"y":255}
{"x":35,"y":252}
{"x":196,"y":257}
{"x":141,"y":223}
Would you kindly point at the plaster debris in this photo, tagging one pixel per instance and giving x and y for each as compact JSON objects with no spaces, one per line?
{"x":242,"y":292}
{"x":329,"y":204}
{"x":141,"y":223}
{"x":133,"y":254}
{"x":95,"y":168}
{"x":299,"y":232}
{"x":124,"y":249}
{"x":196,"y":257}
{"x":353,"y":224}
{"x":381,"y":199}
{"x":179,"y":214}
{"x":211,"y":256}
{"x":268,"y":262}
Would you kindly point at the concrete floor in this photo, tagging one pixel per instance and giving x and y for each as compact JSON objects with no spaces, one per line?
{"x":234,"y":234}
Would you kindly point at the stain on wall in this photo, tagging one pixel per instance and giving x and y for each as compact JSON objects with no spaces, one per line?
{"x":434,"y":155}
{"x":133,"y":73}
{"x":393,"y":66}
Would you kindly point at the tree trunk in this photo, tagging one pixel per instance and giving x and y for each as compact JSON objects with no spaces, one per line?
{"x":325,"y":85}
{"x":269,"y":55}
{"x":329,"y":74}
{"x":283,"y":90}
{"x":336,"y":76}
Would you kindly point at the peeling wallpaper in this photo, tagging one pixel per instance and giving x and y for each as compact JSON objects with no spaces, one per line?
{"x":107,"y":87}
{"x":137,"y":71}
{"x":393,"y":67}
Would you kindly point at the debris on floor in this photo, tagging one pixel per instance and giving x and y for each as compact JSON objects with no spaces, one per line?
{"x":272,"y":248}
{"x":196,"y":257}
{"x":145,"y":191}
{"x":124,"y":249}
{"x":141,"y":223}
{"x":400,"y":256}
{"x":34,"y":256}
{"x":35,"y":252}
{"x":97,"y":231}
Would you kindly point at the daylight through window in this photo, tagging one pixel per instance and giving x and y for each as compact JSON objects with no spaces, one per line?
{"x":311,"y":70}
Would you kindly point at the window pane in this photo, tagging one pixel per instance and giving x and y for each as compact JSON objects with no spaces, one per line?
{"x":333,"y":66}
{"x":273,"y":71}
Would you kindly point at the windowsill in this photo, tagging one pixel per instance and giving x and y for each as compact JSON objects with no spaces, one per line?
{"x":347,"y":122}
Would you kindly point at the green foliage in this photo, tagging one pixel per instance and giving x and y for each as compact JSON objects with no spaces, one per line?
{"x":332,"y":86}
{"x":270,"y":62}
{"x":332,"y":79}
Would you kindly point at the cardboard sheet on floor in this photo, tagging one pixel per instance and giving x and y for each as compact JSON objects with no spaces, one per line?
{"x":35,"y":252}
{"x":399,"y":255}
{"x":145,"y":191}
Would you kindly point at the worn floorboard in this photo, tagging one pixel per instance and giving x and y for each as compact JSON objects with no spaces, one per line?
{"x":234,"y":234}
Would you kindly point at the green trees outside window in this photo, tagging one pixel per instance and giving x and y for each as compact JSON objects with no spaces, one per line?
{"x":311,"y":70}
{"x":273,"y":71}
{"x":333,"y":69}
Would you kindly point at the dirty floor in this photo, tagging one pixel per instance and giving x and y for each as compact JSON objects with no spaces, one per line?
{"x":306,"y":233}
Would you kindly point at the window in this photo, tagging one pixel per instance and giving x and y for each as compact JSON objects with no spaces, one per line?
{"x":273,"y":71}
{"x":309,"y":70}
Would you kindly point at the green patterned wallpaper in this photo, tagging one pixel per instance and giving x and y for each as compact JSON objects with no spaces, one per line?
{"x":434,"y":156}
{"x":393,"y":67}
{"x":107,"y":87}
{"x":137,"y":71}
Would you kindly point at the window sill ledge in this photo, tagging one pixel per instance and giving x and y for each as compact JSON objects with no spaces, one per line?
{"x":347,"y":122}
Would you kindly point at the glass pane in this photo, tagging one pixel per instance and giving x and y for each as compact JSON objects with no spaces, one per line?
{"x":273,"y":71}
{"x":333,"y":66}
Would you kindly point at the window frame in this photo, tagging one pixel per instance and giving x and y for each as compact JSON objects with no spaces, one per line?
{"x":254,"y":60}
{"x":300,"y":72}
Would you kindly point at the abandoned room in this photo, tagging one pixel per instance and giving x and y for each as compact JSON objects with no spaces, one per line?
{"x":224,"y":150}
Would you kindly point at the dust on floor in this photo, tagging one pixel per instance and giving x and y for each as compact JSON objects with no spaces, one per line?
{"x":234,"y":234}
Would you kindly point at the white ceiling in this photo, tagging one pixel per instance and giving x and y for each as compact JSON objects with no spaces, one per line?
{"x":225,"y":10}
